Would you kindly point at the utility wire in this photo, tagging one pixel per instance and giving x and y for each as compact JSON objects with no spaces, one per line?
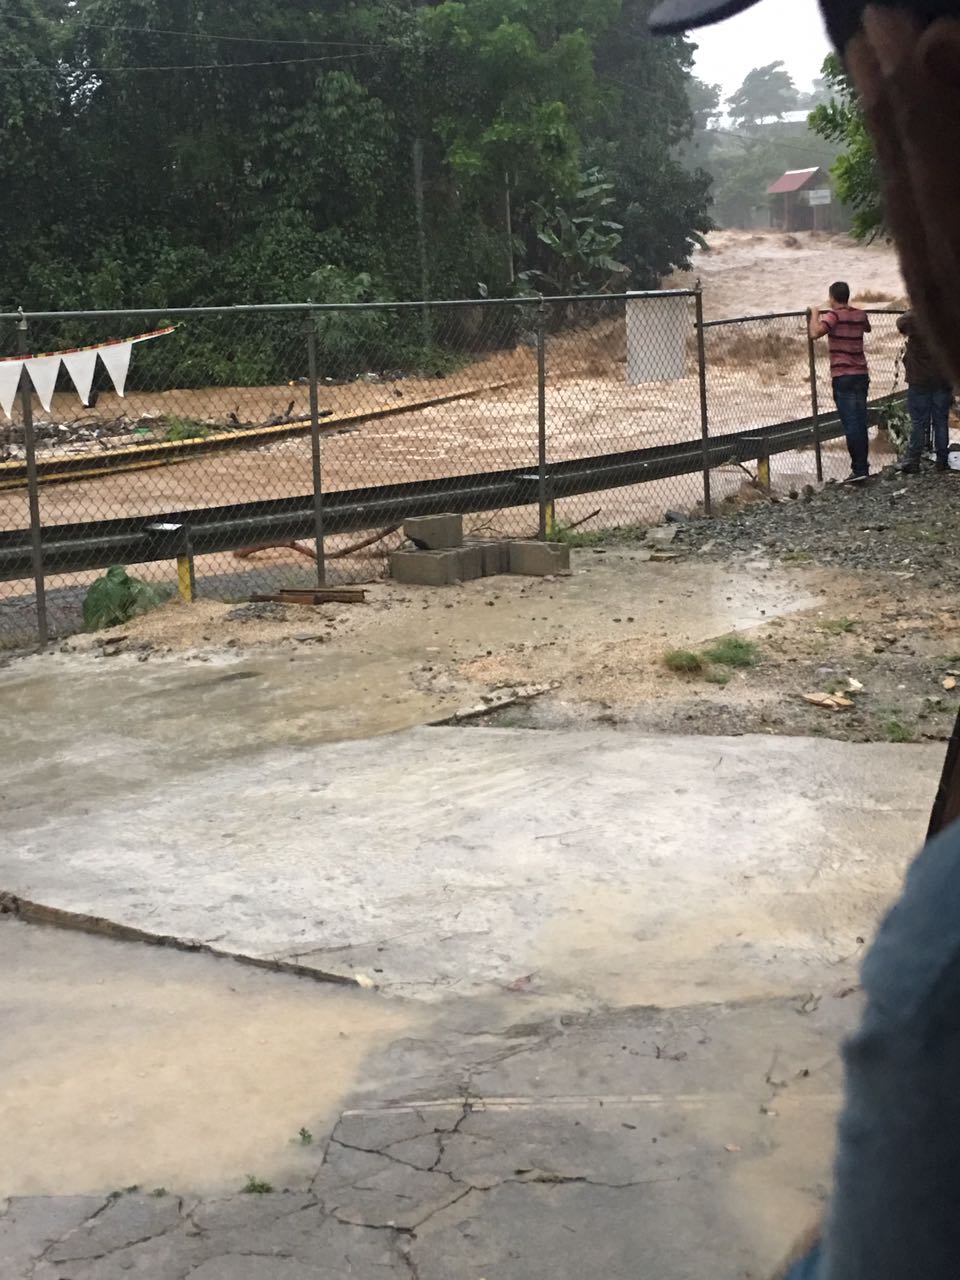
{"x":82,"y":23}
{"x":67,"y":69}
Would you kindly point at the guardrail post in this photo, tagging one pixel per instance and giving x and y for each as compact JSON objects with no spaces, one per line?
{"x":763,"y":465}
{"x":547,"y":523}
{"x":814,"y":404}
{"x":33,"y":490}
{"x":315,"y":450}
{"x":702,"y":374}
{"x":186,"y":577}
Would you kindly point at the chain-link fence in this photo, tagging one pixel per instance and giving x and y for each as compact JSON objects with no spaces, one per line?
{"x":259,"y":448}
{"x":763,"y":370}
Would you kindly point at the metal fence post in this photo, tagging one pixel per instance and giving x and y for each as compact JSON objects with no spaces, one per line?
{"x":704,"y":421}
{"x":542,"y":497}
{"x":33,"y":491}
{"x":315,"y":450}
{"x":814,"y":403}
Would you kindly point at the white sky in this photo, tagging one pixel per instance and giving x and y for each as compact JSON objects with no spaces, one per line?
{"x":771,"y":30}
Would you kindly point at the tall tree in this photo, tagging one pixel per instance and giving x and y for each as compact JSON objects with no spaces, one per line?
{"x":262,"y":149}
{"x":767,"y":93}
{"x":855,"y":170}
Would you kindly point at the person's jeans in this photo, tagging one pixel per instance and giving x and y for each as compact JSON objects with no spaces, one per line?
{"x":850,"y":393}
{"x":928,"y":406}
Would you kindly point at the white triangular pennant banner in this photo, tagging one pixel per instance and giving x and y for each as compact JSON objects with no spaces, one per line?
{"x":116,"y":359}
{"x":9,"y":384}
{"x":80,"y":366}
{"x":43,"y":372}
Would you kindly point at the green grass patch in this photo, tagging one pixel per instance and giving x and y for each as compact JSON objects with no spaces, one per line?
{"x":256,"y":1186}
{"x":717,"y":677}
{"x":838,"y":626}
{"x":577,"y":537}
{"x":896,"y":728}
{"x":185,"y":429}
{"x":683,"y":662}
{"x":731,"y":651}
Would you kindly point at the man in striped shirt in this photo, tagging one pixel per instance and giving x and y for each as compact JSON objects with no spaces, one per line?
{"x":844,"y":326}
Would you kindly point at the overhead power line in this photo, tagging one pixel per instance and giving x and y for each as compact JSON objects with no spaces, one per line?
{"x":83,"y":24}
{"x":66,"y":68}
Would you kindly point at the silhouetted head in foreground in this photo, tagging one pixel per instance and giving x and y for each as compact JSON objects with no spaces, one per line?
{"x":904,"y":59}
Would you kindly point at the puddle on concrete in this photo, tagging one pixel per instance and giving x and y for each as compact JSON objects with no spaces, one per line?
{"x":123,"y":1064}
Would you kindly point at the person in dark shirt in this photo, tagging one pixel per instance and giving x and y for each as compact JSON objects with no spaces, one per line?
{"x":895,"y":1208}
{"x":929,"y":397}
{"x":844,"y":326}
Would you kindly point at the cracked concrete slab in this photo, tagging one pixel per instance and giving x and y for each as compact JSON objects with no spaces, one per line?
{"x":125,"y":1221}
{"x":29,"y":1225}
{"x":682,"y":1143}
{"x":585,"y":865}
{"x":372,"y":1189}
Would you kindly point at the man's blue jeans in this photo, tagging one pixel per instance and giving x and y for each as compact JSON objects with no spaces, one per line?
{"x":928,"y":406}
{"x":850,"y":393}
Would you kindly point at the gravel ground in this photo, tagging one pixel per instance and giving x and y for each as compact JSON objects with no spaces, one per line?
{"x":885,"y":635}
{"x":905,"y":525}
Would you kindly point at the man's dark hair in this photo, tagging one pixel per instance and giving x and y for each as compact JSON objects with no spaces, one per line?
{"x":840,"y":292}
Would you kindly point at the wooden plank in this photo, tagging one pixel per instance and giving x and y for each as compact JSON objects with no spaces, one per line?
{"x":314,"y":595}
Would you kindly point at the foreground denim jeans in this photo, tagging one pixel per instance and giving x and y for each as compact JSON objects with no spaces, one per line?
{"x":850,"y":393}
{"x":929,"y":407}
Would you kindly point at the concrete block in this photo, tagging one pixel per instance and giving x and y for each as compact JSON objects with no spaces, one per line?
{"x":435,"y":533}
{"x":436,"y":568}
{"x":469,"y":563}
{"x":425,"y":568}
{"x":537,"y":559}
{"x":496,"y":555}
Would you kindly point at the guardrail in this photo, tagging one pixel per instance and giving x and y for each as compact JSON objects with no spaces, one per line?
{"x":207,"y":530}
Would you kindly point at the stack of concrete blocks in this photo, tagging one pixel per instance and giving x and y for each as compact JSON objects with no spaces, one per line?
{"x":442,"y":557}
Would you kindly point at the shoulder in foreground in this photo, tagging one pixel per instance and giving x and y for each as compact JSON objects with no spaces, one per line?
{"x":918,"y":943}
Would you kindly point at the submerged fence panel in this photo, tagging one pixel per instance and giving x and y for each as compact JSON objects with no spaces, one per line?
{"x":526,"y":415}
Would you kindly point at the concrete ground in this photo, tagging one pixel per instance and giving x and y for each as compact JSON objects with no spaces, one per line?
{"x":611,"y":969}
{"x":595,"y":865}
{"x":483,"y":1138}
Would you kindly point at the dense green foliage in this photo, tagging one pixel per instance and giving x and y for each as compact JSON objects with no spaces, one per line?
{"x":855,"y":170}
{"x":211,"y":181}
{"x":116,"y":598}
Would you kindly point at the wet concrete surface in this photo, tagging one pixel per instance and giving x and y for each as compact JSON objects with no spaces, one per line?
{"x":613,"y":968}
{"x":489,"y":1137}
{"x":595,"y":865}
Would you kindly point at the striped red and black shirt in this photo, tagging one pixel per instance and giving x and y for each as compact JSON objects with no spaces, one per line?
{"x":845,"y":329}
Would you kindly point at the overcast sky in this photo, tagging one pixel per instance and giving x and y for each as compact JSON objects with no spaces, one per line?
{"x":770,"y":31}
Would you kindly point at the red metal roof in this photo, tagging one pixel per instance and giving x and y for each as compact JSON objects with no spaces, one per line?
{"x":792,"y":180}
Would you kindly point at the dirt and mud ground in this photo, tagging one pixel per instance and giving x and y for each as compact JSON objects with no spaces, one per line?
{"x":831,"y":591}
